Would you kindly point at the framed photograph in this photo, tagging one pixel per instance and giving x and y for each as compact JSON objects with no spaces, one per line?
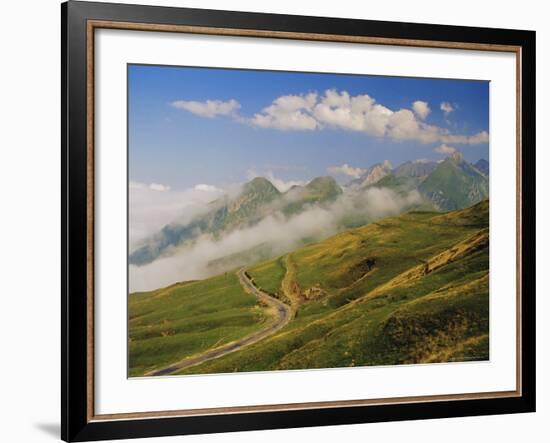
{"x":277,"y":221}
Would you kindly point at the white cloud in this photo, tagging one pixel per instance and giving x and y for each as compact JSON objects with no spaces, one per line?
{"x":158,"y":187}
{"x":421,"y":109}
{"x":403,"y":125}
{"x":153,"y":186}
{"x":476,"y":139}
{"x":150,"y":210}
{"x":346,"y":169}
{"x":446,"y":107}
{"x":445,"y":149}
{"x":481,"y":137}
{"x":339,"y":109}
{"x":288,"y":112}
{"x":208,"y":108}
{"x":355,"y":113}
{"x":207,"y":188}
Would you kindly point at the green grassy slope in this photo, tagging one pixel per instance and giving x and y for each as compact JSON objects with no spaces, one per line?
{"x":269,"y":275}
{"x":188,"y":318}
{"x":407,"y":289}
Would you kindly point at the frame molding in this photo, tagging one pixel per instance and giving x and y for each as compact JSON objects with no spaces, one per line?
{"x":79,"y":21}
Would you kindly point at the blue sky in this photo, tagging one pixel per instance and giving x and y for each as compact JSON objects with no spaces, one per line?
{"x":219,"y":127}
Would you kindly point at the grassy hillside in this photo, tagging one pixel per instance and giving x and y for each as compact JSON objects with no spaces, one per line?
{"x":269,"y":275}
{"x":188,"y":318}
{"x":407,"y":289}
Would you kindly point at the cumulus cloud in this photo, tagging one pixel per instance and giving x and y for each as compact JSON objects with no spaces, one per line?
{"x":421,"y":109}
{"x":481,"y":137}
{"x":346,"y":169}
{"x":476,"y":139}
{"x":340,"y":110}
{"x":445,"y":149}
{"x":208,"y":108}
{"x":446,"y":107}
{"x":288,"y":112}
{"x":360,"y":113}
{"x":403,"y":125}
{"x":278,"y":232}
{"x":355,"y":113}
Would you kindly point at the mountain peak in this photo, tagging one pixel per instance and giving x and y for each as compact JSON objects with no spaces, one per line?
{"x":325,"y":186}
{"x":455,"y":184}
{"x":376,"y":172}
{"x":320,"y":181}
{"x":260,"y":184}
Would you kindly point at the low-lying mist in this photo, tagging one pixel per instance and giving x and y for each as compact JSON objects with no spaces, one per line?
{"x":276,"y":232}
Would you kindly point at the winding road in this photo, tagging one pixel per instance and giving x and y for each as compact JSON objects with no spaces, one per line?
{"x":283,"y":315}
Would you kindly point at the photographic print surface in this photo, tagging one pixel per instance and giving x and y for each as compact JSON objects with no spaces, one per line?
{"x":284,"y":220}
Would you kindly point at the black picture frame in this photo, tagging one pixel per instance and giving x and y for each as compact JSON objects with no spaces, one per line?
{"x":76,"y":422}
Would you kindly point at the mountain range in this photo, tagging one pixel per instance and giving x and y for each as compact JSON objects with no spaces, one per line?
{"x":443,"y":186}
{"x":258,"y":199}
